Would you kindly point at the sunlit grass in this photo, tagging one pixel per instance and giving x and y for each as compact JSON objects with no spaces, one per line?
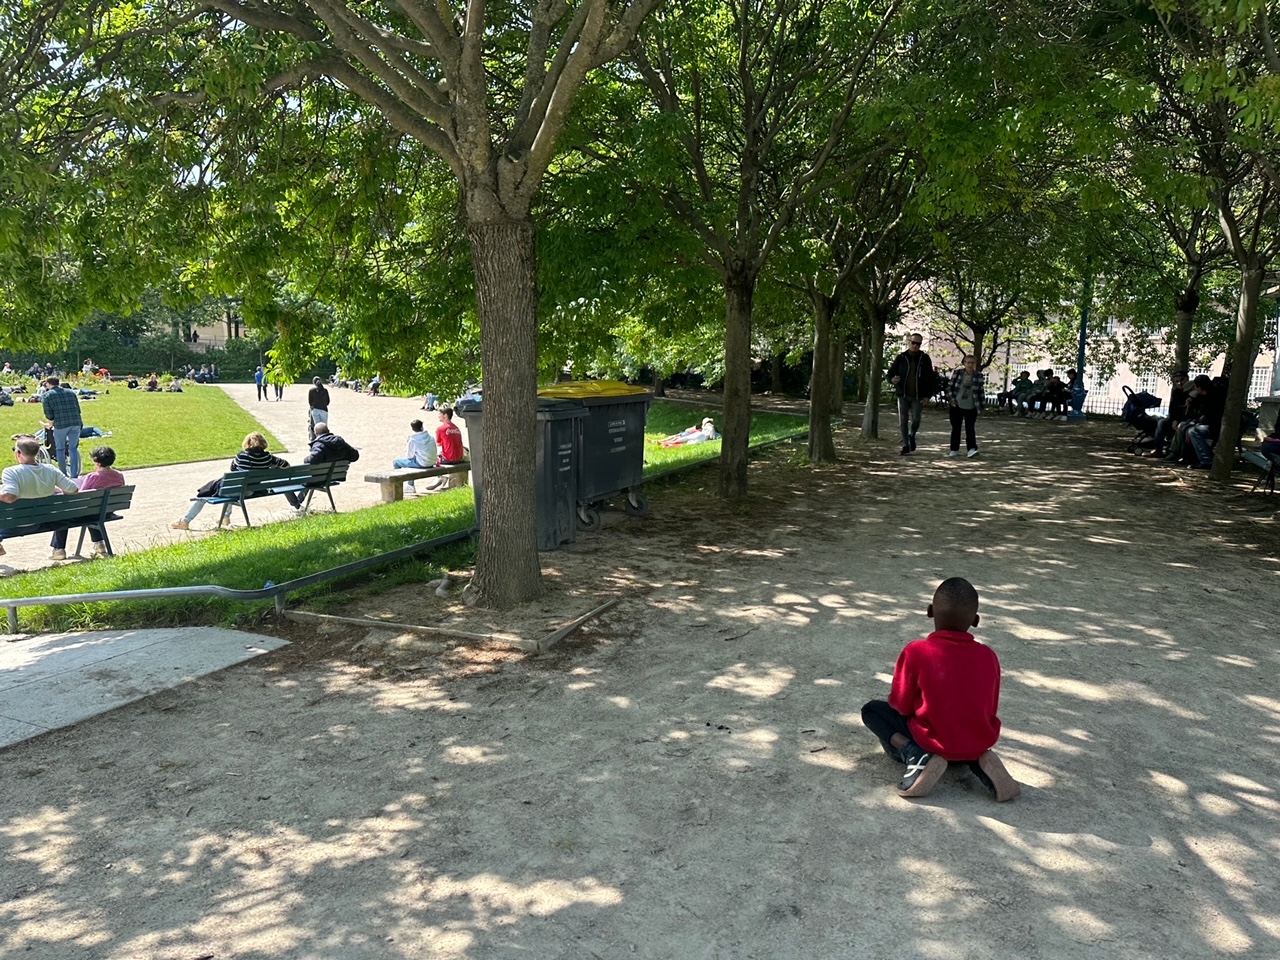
{"x":153,"y":429}
{"x":244,"y":560}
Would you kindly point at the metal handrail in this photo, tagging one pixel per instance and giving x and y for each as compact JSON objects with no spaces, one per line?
{"x":270,"y":591}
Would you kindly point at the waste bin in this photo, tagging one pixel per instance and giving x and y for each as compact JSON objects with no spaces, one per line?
{"x":557,"y":465}
{"x":610,"y":445}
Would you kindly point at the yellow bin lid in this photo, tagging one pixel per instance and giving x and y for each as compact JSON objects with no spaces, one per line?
{"x":585,"y":389}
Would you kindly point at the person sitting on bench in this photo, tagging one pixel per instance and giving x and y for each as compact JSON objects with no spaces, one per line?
{"x":30,"y":480}
{"x":419,"y":452}
{"x":252,"y":456}
{"x":103,"y":478}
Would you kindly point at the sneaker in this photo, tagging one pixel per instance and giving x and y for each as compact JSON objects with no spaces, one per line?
{"x":410,"y":488}
{"x":953,"y":453}
{"x":904,"y":451}
{"x":973,"y":452}
{"x":58,"y":555}
{"x":224,"y":521}
{"x":924,"y":770}
{"x":99,"y":550}
{"x":996,"y":778}
{"x":180,"y":525}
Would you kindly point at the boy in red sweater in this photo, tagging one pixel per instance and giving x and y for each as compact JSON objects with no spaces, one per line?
{"x":942,"y":706}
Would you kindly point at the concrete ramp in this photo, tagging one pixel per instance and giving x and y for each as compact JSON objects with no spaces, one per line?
{"x":55,"y":680}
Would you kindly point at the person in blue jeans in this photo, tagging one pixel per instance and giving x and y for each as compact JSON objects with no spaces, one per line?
{"x":419,"y":452}
{"x":1204,"y":434}
{"x":912,"y":377}
{"x":62,"y":410}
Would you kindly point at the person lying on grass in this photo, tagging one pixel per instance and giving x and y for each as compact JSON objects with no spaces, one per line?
{"x":695,"y":434}
{"x":942,"y":705}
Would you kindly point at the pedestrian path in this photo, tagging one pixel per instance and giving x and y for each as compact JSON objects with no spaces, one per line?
{"x":376,"y":426}
{"x":56,"y":680}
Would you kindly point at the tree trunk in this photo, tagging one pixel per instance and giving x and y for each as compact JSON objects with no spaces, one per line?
{"x":875,"y":373}
{"x":835,"y":406}
{"x":505,"y":264}
{"x":864,"y":357}
{"x":1185,"y":305}
{"x":739,"y":294}
{"x":822,"y":448}
{"x":775,"y":375}
{"x":659,"y":386}
{"x":1238,"y":390}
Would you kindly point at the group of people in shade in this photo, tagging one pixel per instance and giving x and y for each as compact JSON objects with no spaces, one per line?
{"x":915,"y":381}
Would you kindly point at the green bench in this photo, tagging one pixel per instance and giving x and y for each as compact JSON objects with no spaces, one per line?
{"x":93,"y":508}
{"x":240,"y":486}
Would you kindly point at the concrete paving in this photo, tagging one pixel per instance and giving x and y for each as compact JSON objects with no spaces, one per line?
{"x":376,"y":426}
{"x":57,"y":680}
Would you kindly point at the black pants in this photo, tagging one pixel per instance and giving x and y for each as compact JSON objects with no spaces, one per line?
{"x":970,"y":419}
{"x":884,"y":721}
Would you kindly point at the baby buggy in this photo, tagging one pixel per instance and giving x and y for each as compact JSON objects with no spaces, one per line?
{"x":48,"y":453}
{"x":1134,"y":413}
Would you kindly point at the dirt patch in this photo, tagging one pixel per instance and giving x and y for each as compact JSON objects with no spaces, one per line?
{"x":687,"y":775}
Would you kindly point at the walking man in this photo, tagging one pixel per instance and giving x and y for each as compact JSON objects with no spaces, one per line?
{"x":62,"y":409}
{"x":912,"y":377}
{"x":317,"y":406}
{"x":260,"y":379}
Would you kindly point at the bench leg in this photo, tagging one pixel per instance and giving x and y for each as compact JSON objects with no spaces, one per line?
{"x":329,"y":492}
{"x":392,"y":490}
{"x":80,"y":542}
{"x":245,"y":510}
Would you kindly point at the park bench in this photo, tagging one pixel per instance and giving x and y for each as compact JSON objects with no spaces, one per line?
{"x":240,"y":486}
{"x":66,"y":511}
{"x":392,"y":481}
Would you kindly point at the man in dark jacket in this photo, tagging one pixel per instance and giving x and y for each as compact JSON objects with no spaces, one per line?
{"x":329,"y":446}
{"x":1204,"y":434}
{"x":912,"y":378}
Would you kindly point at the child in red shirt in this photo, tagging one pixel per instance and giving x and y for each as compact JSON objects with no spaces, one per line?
{"x":942,"y":706}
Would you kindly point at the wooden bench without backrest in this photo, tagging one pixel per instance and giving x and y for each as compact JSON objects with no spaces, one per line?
{"x":93,"y":508}
{"x":392,"y":481}
{"x":239,"y":486}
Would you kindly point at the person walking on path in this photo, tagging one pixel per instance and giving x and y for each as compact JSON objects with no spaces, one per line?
{"x":964,"y":403}
{"x":260,"y":378}
{"x":912,"y":377}
{"x":317,"y":406}
{"x":62,"y":410}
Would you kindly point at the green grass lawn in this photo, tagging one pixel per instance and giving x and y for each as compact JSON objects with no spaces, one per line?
{"x":278,"y":552}
{"x":668,"y":418}
{"x":153,"y":429}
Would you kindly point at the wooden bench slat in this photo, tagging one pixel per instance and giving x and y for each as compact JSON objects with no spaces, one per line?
{"x":392,"y":481}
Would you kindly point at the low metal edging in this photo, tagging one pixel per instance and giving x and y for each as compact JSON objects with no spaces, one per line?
{"x":276,"y":591}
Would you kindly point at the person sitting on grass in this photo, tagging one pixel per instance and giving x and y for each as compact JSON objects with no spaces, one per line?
{"x":698,"y":433}
{"x":252,"y":456}
{"x":942,"y":705}
{"x":102,"y":478}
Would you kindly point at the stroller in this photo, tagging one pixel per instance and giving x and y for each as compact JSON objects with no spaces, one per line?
{"x":48,"y":452}
{"x":1134,"y":413}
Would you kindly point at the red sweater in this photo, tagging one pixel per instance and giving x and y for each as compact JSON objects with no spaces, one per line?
{"x":948,"y":687}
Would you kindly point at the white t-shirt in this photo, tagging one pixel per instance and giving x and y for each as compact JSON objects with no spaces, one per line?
{"x":31,"y":481}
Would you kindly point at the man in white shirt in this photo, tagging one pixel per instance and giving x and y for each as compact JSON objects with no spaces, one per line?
{"x":30,"y":480}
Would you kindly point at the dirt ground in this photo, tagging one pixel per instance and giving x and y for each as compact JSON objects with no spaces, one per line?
{"x":687,"y":776}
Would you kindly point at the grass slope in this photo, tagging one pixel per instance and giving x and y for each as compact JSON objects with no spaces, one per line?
{"x":278,"y":552}
{"x":154,"y":429}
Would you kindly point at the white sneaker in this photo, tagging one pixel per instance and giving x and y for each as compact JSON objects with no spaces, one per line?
{"x":972,"y":453}
{"x":180,"y":524}
{"x":99,"y":550}
{"x":953,"y":453}
{"x":58,"y":555}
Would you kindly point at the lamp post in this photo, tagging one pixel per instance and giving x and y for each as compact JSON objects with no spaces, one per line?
{"x":1077,"y":390}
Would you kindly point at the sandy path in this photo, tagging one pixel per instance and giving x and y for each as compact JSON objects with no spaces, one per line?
{"x":376,"y":426}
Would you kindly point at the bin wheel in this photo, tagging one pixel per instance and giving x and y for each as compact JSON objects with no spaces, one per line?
{"x":636,"y":505}
{"x":589,"y":519}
